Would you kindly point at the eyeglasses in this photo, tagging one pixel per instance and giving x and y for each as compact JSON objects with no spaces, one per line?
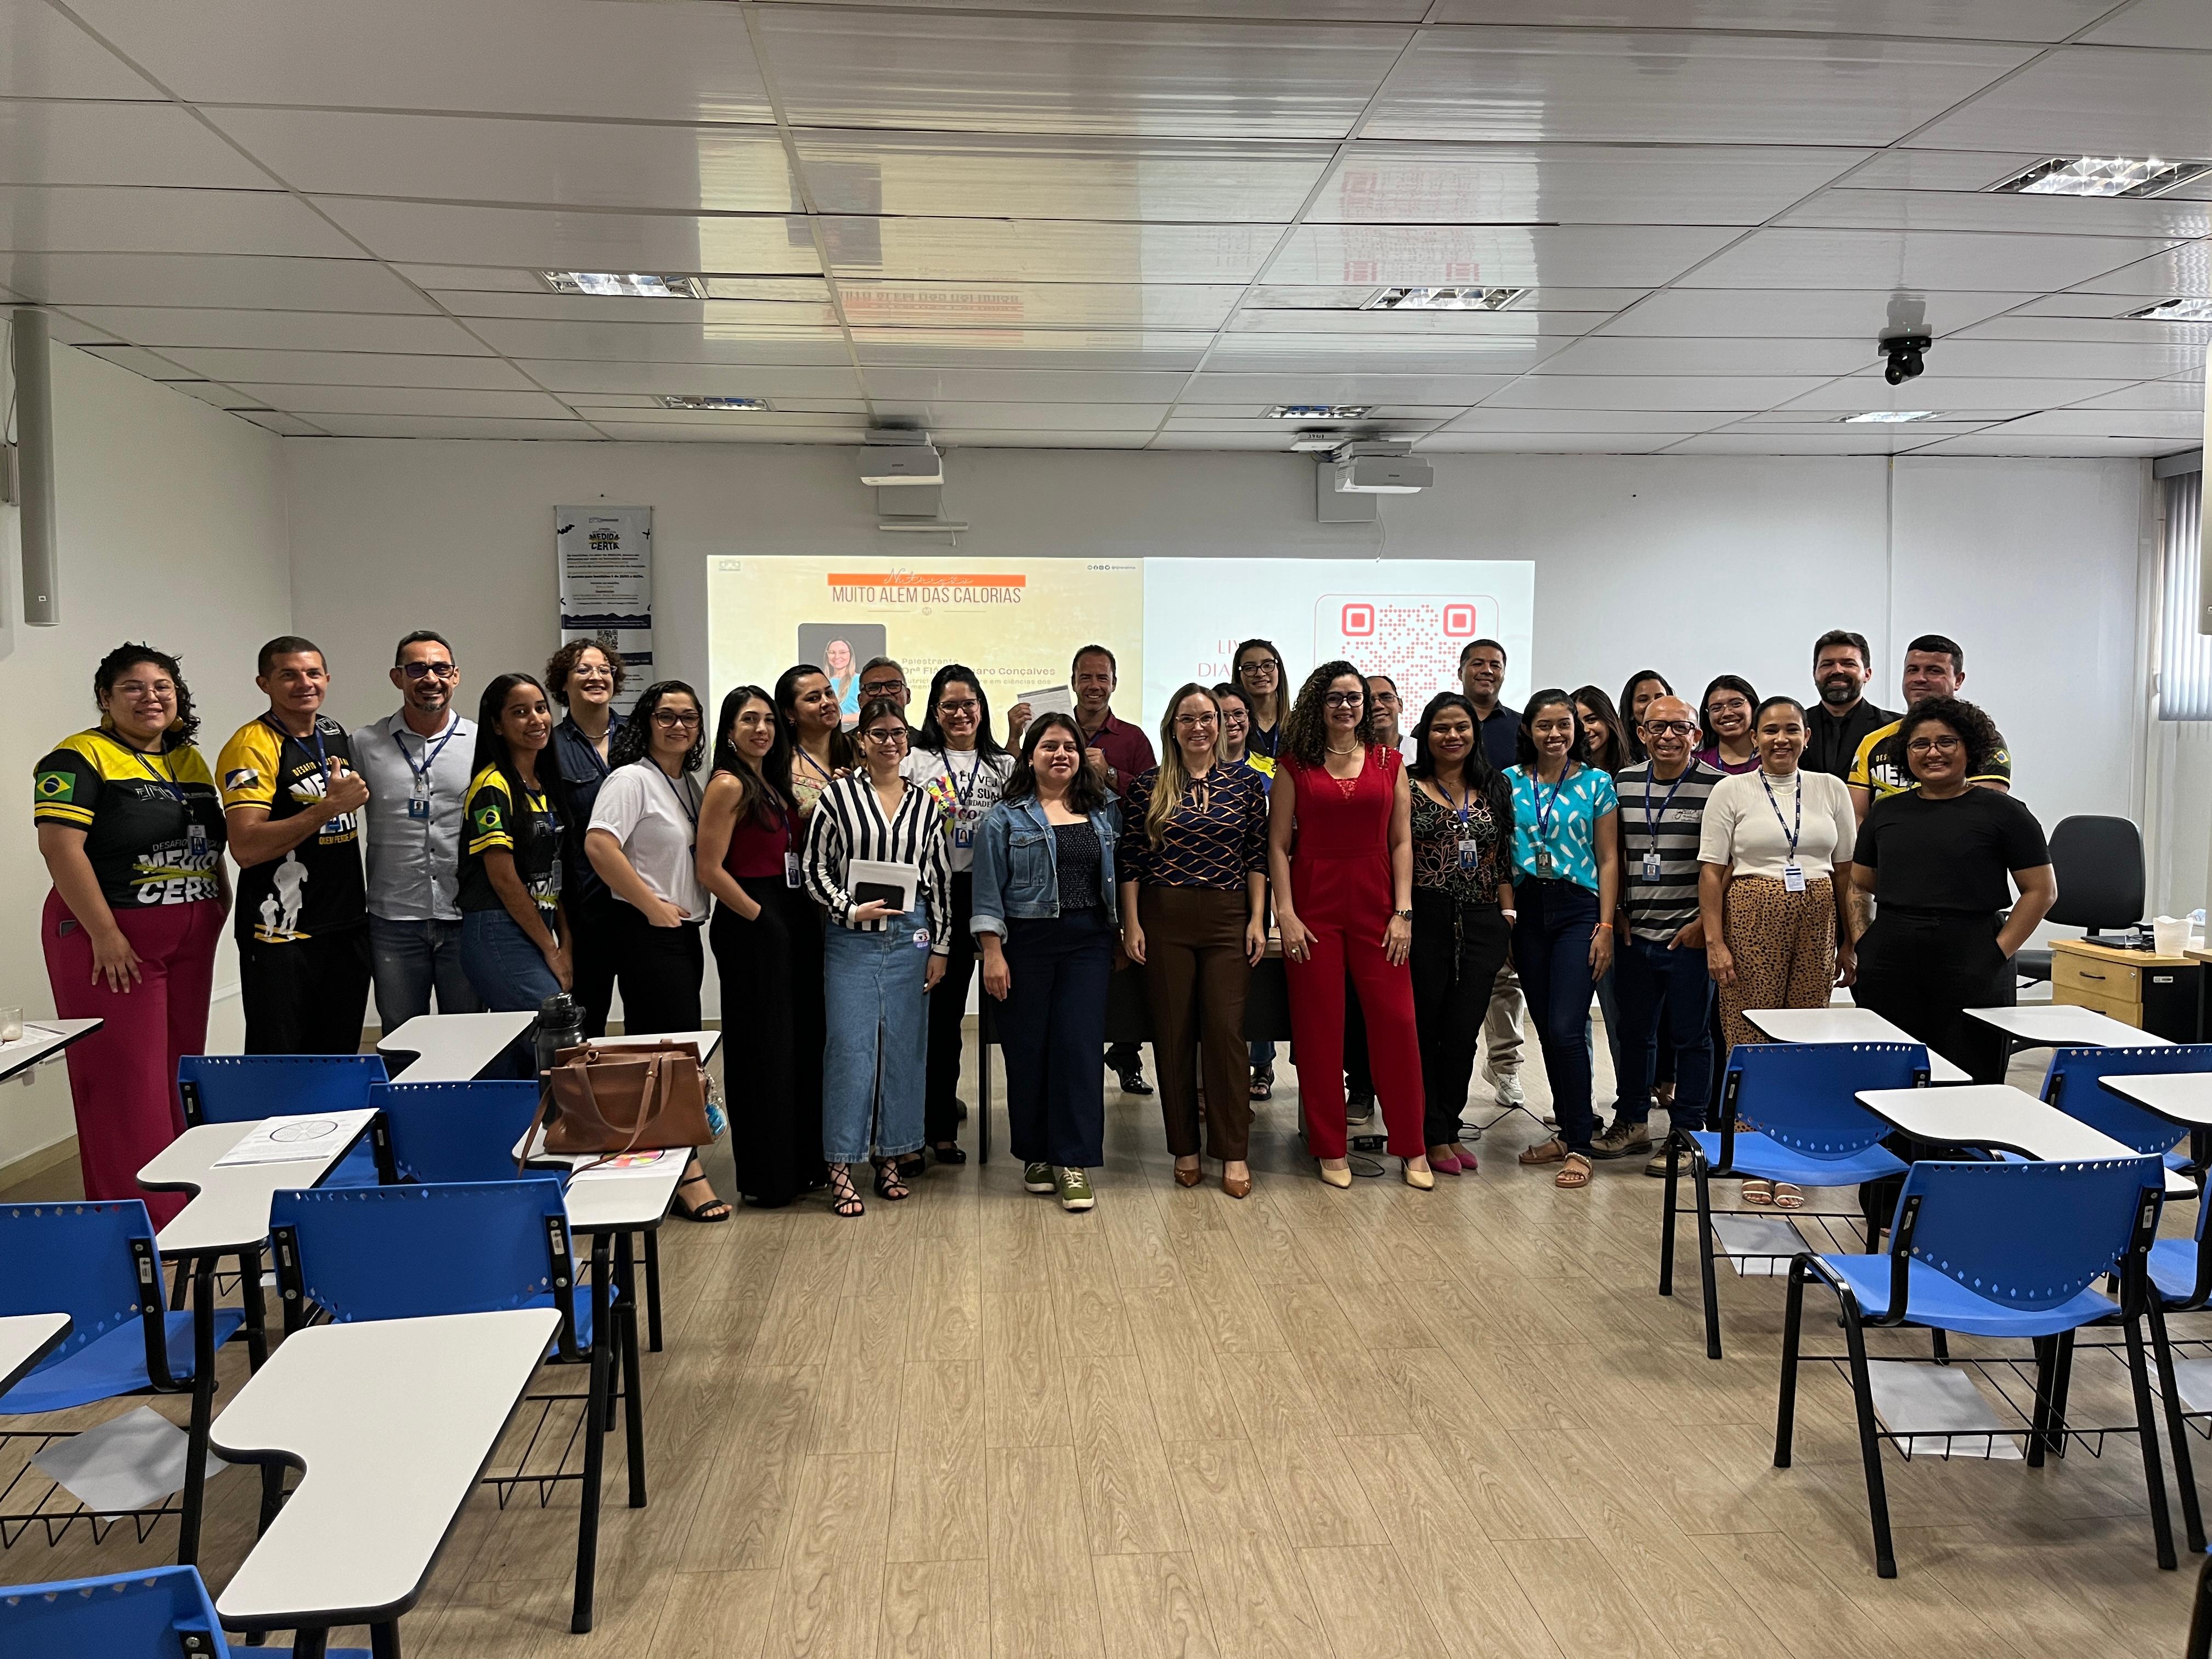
{"x":888,"y":736}
{"x":670,"y":719}
{"x":422,"y":671}
{"x":1193,"y":722}
{"x":1944,"y":745}
{"x":964,"y":706}
{"x":1669,"y":728}
{"x":1344,"y":699}
{"x":884,"y":689}
{"x":1260,"y":665}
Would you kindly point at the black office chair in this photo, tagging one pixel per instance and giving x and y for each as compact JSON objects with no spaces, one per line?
{"x":2098,"y":862}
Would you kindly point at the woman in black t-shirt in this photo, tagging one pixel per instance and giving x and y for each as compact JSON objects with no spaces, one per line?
{"x":514,"y":933}
{"x":1942,"y":859}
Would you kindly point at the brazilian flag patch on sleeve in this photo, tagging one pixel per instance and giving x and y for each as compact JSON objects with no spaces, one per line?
{"x":55,"y":787}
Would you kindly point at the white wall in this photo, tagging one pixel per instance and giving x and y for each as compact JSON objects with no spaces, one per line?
{"x":170,"y":525}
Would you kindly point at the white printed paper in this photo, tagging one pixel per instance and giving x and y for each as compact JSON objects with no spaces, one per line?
{"x":131,"y":1462}
{"x":634,"y":1166}
{"x":1050,"y":700}
{"x":876,"y":873}
{"x":313,"y":1137}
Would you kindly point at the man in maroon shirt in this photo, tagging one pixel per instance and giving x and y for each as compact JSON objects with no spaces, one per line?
{"x":1118,"y":752}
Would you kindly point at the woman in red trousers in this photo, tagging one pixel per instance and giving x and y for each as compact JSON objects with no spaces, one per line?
{"x":130,"y":828}
{"x":1340,"y":856}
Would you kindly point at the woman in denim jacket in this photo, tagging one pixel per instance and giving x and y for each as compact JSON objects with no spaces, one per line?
{"x":1045,"y":920}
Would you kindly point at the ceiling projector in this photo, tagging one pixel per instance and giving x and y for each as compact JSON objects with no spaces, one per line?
{"x":1371,"y":468}
{"x":894,"y":457}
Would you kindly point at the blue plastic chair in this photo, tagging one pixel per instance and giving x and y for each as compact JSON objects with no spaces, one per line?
{"x":2071,"y":1085}
{"x":451,"y":1131}
{"x":99,"y":1263}
{"x":242,"y":1088}
{"x":1789,"y":1111}
{"x":1996,"y":1250}
{"x":160,"y":1612}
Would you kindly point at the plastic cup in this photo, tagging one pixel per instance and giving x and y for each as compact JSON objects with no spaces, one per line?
{"x":2170,"y":935}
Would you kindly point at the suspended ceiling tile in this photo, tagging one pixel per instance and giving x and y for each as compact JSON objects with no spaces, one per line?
{"x":1938,"y":169}
{"x":301,"y":331}
{"x":1393,"y":427}
{"x":191,"y":279}
{"x":1830,"y":313}
{"x":67,"y":330}
{"x":991,"y":305}
{"x":944,"y":414}
{"x":348,"y":368}
{"x":1981,"y":20}
{"x":2070,"y":359}
{"x":1860,"y":440}
{"x":1537,"y":441}
{"x":2108,"y":330}
{"x":542,"y":306}
{"x":2083,"y":306}
{"x":115,"y":143}
{"x":129,"y":219}
{"x":2056,"y":215}
{"x":2152,"y":396}
{"x":2176,"y":273}
{"x":1642,"y":421}
{"x":285,"y":426}
{"x":780,"y":417}
{"x":1381,"y":183}
{"x":1726,"y":354}
{"x":1350,"y":296}
{"x":1510,"y":85}
{"x":668,"y":343}
{"x":1031,"y":250}
{"x":1494,"y":256}
{"x":442,"y":426}
{"x":839,"y":68}
{"x":2176,"y":23}
{"x":1732,"y":392}
{"x":1034,"y":438}
{"x":1255,"y":411}
{"x":44,"y":55}
{"x":2056,"y":448}
{"x":656,"y":63}
{"x":1316,"y":387}
{"x":1021,"y":385}
{"x":1517,"y":322}
{"x":1289,"y":353}
{"x":1036,"y":348}
{"x":666,"y":431}
{"x":1914,"y":260}
{"x":1951,"y":394}
{"x":2090,"y":101}
{"x":154,"y":365}
{"x":1272,"y":11}
{"x":216,"y":392}
{"x":2107,"y":422}
{"x":1240,"y":442}
{"x":546,"y":239}
{"x":319,"y":400}
{"x":695,"y":380}
{"x":688,"y":169}
{"x":989,"y":175}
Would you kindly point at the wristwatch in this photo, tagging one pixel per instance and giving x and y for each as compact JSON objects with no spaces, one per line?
{"x":1407,"y":915}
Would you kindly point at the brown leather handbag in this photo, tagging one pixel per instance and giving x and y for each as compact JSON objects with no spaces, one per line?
{"x":607,"y":1100}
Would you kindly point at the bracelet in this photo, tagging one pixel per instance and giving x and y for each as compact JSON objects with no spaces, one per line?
{"x":1607,"y":926}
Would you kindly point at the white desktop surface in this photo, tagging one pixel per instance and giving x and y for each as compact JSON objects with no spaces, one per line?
{"x":613,"y":1204}
{"x":392,"y":1421}
{"x":708,"y":1042}
{"x":451,"y":1047}
{"x":2183,"y":1097}
{"x":25,"y":1339}
{"x":42,"y":1040}
{"x":1852,"y":1024}
{"x":1999,"y":1115}
{"x":2064,"y":1025}
{"x":229,"y":1209}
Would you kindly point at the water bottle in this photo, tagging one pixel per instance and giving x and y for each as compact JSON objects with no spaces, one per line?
{"x":559,"y":1025}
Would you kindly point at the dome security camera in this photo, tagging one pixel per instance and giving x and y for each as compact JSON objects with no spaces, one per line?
{"x":1903,"y":352}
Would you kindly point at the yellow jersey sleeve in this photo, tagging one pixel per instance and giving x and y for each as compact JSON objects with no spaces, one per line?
{"x":1861,"y":772}
{"x":65,"y":785}
{"x":248,"y":765}
{"x":490,"y":809}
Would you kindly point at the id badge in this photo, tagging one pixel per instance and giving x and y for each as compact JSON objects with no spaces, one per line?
{"x":1543,"y":864}
{"x":1651,"y":866}
{"x":418,"y":807}
{"x":1793,"y":878}
{"x":791,"y":867}
{"x":963,"y":827}
{"x":1470,"y":853}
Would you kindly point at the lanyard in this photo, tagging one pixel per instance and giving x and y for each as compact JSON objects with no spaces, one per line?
{"x":1543,"y":813}
{"x":683,"y":798}
{"x":820,"y":771}
{"x":430,"y":753}
{"x":1790,"y":831}
{"x":961,"y":791}
{"x":315,"y":731}
{"x":1651,"y":823}
{"x":168,"y":783}
{"x":1465,"y":810}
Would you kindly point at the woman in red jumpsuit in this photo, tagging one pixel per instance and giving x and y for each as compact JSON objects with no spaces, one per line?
{"x":1344,"y":901}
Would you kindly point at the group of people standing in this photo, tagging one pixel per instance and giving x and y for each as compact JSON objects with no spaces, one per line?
{"x":852,"y":872}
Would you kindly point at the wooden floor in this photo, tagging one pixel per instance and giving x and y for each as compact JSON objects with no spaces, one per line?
{"x":1344,"y":1425}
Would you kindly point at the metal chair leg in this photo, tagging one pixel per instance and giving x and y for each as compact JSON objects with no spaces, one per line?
{"x":196,"y":1445}
{"x":1885,"y":1555}
{"x":1785,"y":1405}
{"x":1666,"y":1216}
{"x":634,"y":1393}
{"x":2061,"y":1381}
{"x":2176,"y":1426}
{"x":2161,"y":1523}
{"x":653,"y":1287}
{"x":1707,"y":1278}
{"x":257,"y":1314}
{"x":2039,"y":1422}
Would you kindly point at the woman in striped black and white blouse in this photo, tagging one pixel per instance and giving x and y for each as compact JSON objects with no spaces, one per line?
{"x":879,"y":965}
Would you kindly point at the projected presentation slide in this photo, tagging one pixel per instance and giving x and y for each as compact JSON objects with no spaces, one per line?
{"x":1018,"y":622}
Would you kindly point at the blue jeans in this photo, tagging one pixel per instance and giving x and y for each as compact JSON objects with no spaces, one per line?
{"x":410,"y":959}
{"x":875,"y":1059}
{"x":1551,"y":953}
{"x":1658,"y":986}
{"x":1611,"y":1010}
{"x":507,"y":972}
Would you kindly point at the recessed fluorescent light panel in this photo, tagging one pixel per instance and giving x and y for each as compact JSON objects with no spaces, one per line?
{"x":1889,"y":416}
{"x":2100,"y":175}
{"x":2174,"y":311}
{"x":635,"y":284}
{"x":1444,"y":299}
{"x":1320,"y":412}
{"x":732,"y":406}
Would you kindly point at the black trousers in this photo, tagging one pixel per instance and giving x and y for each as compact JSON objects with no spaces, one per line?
{"x":948,"y":1007}
{"x":776,"y":1077}
{"x":308,"y":997}
{"x":1458,"y":949}
{"x":592,"y":921}
{"x":1921,"y":970}
{"x":1050,"y":1028}
{"x":659,"y":969}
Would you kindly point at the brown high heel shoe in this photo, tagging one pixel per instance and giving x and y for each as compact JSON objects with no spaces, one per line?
{"x":1236,"y":1186}
{"x":1188,"y":1177}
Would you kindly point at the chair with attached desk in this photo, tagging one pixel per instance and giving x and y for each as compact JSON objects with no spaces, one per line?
{"x":1788,"y":1112}
{"x":157,"y":1613}
{"x":1994,"y":1250}
{"x":2071,"y":1083}
{"x":468,"y":1247}
{"x":242,"y":1088}
{"x":99,"y":1263}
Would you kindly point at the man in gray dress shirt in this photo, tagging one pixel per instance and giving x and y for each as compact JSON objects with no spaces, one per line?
{"x":416,"y":765}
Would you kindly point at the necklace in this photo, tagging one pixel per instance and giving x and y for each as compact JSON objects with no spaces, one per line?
{"x":1352,"y":749}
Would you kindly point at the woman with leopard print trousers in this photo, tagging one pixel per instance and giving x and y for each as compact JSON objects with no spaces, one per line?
{"x":1773,"y":888}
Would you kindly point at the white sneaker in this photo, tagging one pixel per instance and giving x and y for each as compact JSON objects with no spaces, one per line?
{"x":1509,"y":1090}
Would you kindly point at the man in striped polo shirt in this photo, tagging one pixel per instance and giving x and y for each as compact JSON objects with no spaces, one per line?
{"x":1659,"y":979}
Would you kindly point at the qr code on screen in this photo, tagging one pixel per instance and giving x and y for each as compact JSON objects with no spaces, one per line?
{"x":1414,"y":638}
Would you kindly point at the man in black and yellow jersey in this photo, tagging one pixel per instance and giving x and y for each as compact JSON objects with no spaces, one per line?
{"x":1935,"y":666}
{"x":292,"y":800}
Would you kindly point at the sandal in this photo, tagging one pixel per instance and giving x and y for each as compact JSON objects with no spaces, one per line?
{"x":891,"y":1182}
{"x":950,"y":1152}
{"x":1263,"y":1083}
{"x":1759,"y":1192}
{"x":1789,"y":1196}
{"x":1550,"y":1152}
{"x":715,"y":1209}
{"x":1574,"y":1173}
{"x":844,"y":1196}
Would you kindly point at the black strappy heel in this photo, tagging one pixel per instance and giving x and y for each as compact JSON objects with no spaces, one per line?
{"x":844,"y":1196}
{"x":890,"y":1184}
